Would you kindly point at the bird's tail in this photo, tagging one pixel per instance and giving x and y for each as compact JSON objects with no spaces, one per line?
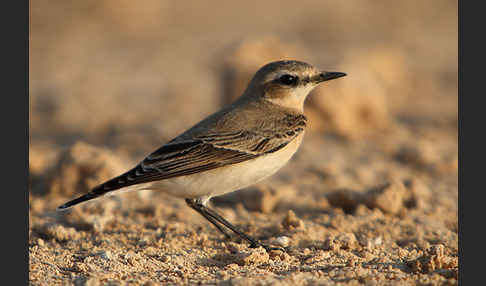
{"x":120,"y":183}
{"x":96,"y":192}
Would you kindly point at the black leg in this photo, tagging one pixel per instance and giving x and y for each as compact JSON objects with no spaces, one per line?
{"x":209,"y":218}
{"x":214,"y":217}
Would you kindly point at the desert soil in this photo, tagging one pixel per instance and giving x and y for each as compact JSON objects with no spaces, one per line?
{"x":370,"y":198}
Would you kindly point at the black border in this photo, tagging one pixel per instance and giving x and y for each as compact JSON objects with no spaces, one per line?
{"x":15,"y":140}
{"x":471,"y":121}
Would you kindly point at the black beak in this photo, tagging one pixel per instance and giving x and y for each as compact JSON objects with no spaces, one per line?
{"x":325,"y":76}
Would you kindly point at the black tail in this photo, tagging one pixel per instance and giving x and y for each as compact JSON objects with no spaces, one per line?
{"x":83,"y":198}
{"x":98,"y":191}
{"x":108,"y":186}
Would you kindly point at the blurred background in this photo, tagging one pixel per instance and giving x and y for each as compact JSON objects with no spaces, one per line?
{"x":375,"y":180}
{"x":117,"y":79}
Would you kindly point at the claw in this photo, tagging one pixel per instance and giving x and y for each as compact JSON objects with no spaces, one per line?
{"x":268,"y":248}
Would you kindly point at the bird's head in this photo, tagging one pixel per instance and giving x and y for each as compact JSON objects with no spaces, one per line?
{"x":287,"y":83}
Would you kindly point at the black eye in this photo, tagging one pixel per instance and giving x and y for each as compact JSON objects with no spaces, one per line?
{"x":288,"y":79}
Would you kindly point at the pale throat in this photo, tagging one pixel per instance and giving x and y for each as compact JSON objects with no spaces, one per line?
{"x":292,"y":99}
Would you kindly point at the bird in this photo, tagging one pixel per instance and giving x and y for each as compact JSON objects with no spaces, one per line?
{"x":245,"y":142}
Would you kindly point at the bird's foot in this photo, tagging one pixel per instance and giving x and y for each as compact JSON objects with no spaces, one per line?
{"x":266,"y":247}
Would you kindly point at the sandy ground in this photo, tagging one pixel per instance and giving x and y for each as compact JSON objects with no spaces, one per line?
{"x":369,"y":199}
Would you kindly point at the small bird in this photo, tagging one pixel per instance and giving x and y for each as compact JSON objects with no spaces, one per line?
{"x":238,"y":146}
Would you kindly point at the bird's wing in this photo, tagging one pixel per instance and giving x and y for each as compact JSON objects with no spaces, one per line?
{"x":201,"y":153}
{"x":198,"y":155}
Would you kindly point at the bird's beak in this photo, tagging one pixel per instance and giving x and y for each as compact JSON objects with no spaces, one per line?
{"x":325,"y":76}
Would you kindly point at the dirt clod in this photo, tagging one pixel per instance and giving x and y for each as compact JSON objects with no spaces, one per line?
{"x":254,"y":256}
{"x":388,"y":197}
{"x":292,"y":222}
{"x":82,"y":167}
{"x":434,"y":259}
{"x":58,"y":232}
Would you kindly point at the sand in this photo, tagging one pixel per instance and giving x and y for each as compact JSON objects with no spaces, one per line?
{"x":370,"y":198}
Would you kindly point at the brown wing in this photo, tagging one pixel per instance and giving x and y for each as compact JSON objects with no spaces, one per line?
{"x":201,"y":153}
{"x":171,"y":160}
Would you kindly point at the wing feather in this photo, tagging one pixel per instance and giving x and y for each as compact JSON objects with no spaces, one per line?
{"x":205,"y":152}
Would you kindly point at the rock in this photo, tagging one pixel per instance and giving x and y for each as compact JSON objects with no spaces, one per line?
{"x":59,"y":232}
{"x":347,"y":200}
{"x":82,"y":167}
{"x":262,"y":198}
{"x":434,"y":259}
{"x":165,"y":258}
{"x":94,"y":220}
{"x":417,"y":193}
{"x":105,"y":254}
{"x":266,"y":198}
{"x":279,"y":255}
{"x":331,"y":244}
{"x":341,"y":241}
{"x":422,"y":154}
{"x":371,"y":242}
{"x":253,"y":256}
{"x":347,"y":240}
{"x":292,"y":222}
{"x":41,"y":158}
{"x":388,"y":197}
{"x":282,"y":241}
{"x":40,"y":242}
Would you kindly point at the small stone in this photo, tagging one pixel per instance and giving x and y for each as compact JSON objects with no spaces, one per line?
{"x":165,"y":259}
{"x":331,"y":244}
{"x":82,"y":167}
{"x":262,"y":198}
{"x":232,"y":266}
{"x":151,"y":251}
{"x":388,"y":197}
{"x":347,"y":240}
{"x":278,"y":254}
{"x":437,"y":250}
{"x":291,"y":222}
{"x":40,"y":242}
{"x":254,"y":256}
{"x":233,"y":247}
{"x":281,"y":241}
{"x":432,"y":260}
{"x":347,"y":200}
{"x":418,"y":194}
{"x":377,"y":241}
{"x":104,"y":254}
{"x":59,"y":232}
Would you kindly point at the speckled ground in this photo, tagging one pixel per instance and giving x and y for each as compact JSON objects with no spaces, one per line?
{"x":369,"y":199}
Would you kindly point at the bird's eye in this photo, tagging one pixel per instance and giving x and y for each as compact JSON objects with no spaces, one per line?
{"x":288,"y":79}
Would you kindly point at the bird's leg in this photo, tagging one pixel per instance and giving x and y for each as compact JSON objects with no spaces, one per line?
{"x":192,"y":204}
{"x":214,"y":217}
